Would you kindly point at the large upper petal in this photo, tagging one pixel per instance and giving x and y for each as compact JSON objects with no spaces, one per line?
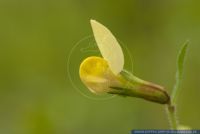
{"x":108,"y":46}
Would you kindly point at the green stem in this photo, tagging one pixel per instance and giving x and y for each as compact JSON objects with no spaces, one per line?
{"x":171,"y":111}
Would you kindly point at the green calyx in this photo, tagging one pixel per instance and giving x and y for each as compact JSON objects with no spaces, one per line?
{"x":135,"y":87}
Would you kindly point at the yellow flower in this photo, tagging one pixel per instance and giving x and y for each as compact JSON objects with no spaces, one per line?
{"x":106,"y":74}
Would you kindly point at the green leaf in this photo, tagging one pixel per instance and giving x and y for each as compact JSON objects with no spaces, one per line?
{"x":179,"y":72}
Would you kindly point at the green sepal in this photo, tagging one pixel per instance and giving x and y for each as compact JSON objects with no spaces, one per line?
{"x":135,"y":87}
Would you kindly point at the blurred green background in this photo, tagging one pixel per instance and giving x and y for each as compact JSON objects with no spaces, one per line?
{"x":37,"y":36}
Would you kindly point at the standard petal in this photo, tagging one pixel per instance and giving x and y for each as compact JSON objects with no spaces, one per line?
{"x":108,"y":46}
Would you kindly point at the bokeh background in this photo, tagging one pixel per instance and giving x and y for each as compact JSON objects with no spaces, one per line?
{"x":37,"y":36}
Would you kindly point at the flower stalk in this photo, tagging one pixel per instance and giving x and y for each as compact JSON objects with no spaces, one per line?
{"x":171,"y":112}
{"x":171,"y":109}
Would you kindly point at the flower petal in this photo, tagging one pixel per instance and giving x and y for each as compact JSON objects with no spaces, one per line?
{"x":96,"y":74}
{"x":108,"y":46}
